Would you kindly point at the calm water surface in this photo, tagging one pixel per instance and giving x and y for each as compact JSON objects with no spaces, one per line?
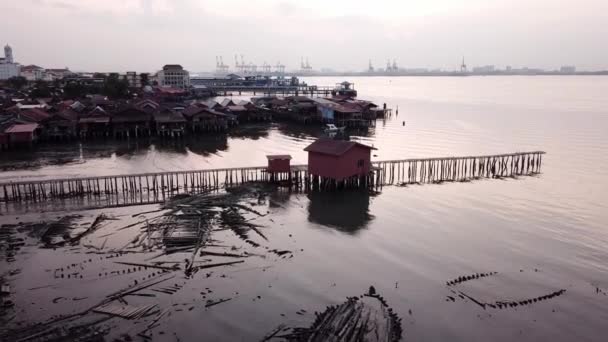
{"x":541,"y":233}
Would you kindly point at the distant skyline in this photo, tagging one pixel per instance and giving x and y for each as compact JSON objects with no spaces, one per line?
{"x":143,"y":35}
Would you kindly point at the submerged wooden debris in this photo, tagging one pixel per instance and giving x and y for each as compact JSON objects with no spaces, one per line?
{"x":124,"y":310}
{"x":184,"y":224}
{"x":366,"y":318}
{"x":458,"y":292}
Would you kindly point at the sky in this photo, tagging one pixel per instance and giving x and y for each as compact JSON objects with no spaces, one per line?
{"x":143,"y":35}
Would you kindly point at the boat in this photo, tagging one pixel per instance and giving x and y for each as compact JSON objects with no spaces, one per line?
{"x":331,"y":128}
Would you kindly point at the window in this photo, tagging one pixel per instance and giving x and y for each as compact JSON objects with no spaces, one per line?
{"x":360,"y":163}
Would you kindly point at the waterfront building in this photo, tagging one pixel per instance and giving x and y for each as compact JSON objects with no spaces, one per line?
{"x":22,"y":133}
{"x":132,"y":122}
{"x":61,"y":125}
{"x":338,"y":160}
{"x":8,"y":67}
{"x":279,"y":163}
{"x":96,"y":123}
{"x":201,"y":118}
{"x":169,"y":123}
{"x":174,"y":76}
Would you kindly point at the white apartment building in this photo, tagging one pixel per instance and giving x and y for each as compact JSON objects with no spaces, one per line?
{"x":173,"y":75}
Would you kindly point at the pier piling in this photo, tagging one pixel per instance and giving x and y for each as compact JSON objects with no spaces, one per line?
{"x":159,"y":186}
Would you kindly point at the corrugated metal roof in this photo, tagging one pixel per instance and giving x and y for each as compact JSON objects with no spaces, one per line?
{"x":237,"y":108}
{"x":333,"y":147}
{"x":168,"y":116}
{"x":96,"y":119}
{"x":23,"y":128}
{"x":34,"y":115}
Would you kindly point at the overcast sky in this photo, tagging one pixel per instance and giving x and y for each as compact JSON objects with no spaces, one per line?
{"x":142,"y":35}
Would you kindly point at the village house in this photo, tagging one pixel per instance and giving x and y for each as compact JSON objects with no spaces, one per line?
{"x":98,"y":100}
{"x":212,"y":104}
{"x":279,"y":167}
{"x":131,"y":122}
{"x":302,"y":109}
{"x":202,"y":119}
{"x":34,"y":115}
{"x":147,"y":105}
{"x":62,"y":125}
{"x":22,"y":134}
{"x":94,"y":124}
{"x":169,"y":123}
{"x":337,"y":160}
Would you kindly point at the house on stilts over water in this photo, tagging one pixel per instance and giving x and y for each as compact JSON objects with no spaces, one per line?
{"x":337,"y":164}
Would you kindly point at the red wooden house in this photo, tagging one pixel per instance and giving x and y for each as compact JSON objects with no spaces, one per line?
{"x":279,"y":163}
{"x":22,"y":133}
{"x":338,"y":160}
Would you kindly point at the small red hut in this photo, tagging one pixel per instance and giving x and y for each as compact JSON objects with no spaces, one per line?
{"x":22,"y":133}
{"x":338,"y":160}
{"x":279,"y":163}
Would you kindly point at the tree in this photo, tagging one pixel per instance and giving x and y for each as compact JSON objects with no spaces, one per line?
{"x":116,"y":87}
{"x":145,"y":79}
{"x":74,"y":90}
{"x":41,"y":89}
{"x":17,"y":82}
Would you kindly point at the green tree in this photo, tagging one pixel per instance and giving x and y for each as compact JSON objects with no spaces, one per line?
{"x":17,"y":82}
{"x":74,"y":90}
{"x":145,"y":79}
{"x":115,"y":86}
{"x":41,"y":89}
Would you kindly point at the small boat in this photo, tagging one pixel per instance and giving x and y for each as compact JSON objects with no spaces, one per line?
{"x":331,"y":128}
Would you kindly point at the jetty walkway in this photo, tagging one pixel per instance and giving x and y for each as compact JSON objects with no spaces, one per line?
{"x":158,"y":186}
{"x":273,"y":90}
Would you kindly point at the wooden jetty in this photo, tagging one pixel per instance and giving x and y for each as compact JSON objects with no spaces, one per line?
{"x":159,"y":186}
{"x":272,"y":90}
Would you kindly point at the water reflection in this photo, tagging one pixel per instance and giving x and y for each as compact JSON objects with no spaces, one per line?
{"x":251,"y":131}
{"x":278,"y":198}
{"x":346,"y":211}
{"x":300,"y":131}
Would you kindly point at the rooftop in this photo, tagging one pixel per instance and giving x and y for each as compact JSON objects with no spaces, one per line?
{"x":278,"y":157}
{"x":22,"y":128}
{"x":173,"y":67}
{"x":333,"y":147}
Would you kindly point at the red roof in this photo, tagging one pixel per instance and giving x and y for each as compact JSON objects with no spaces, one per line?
{"x":170,"y":91}
{"x":22,"y":128}
{"x":279,"y":157}
{"x":34,"y":114}
{"x":193,"y":109}
{"x":333,"y":147}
